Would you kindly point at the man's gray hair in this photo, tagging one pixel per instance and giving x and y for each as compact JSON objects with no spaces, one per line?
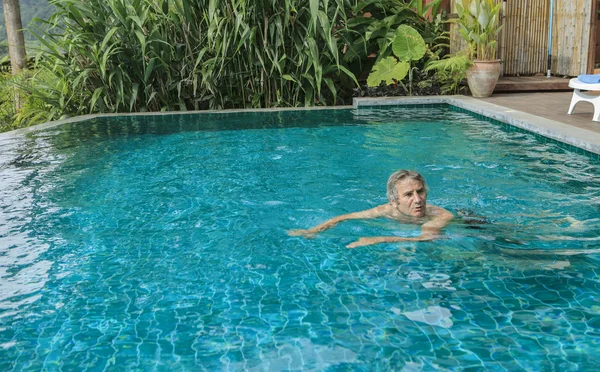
{"x":399,"y":176}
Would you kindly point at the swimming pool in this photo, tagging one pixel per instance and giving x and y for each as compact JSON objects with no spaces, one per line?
{"x":159,"y":242}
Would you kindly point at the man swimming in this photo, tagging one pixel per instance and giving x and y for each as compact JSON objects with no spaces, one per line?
{"x":407,"y":196}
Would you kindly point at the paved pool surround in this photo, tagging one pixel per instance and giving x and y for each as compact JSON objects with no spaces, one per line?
{"x":562,"y":132}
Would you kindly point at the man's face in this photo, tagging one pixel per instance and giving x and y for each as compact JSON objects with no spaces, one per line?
{"x":412,"y":198}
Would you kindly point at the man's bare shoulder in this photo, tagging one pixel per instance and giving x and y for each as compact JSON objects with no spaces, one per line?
{"x":435,"y":211}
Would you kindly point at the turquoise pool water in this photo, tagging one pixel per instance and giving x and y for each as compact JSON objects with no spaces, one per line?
{"x":159,"y":243}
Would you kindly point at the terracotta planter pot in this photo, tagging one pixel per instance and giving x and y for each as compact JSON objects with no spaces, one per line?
{"x":483,"y":76}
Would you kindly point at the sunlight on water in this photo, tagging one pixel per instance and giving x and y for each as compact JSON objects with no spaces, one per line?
{"x":160,"y":243}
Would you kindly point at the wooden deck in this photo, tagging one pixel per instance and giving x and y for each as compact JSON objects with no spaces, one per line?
{"x":531,"y":84}
{"x":549,"y":105}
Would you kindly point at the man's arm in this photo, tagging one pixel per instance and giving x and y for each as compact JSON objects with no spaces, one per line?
{"x":430,"y":230}
{"x":366,"y":214}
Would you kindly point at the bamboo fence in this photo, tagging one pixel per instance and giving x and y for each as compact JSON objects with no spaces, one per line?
{"x":523,"y":43}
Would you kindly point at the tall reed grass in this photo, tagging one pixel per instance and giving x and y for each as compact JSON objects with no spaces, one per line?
{"x":159,"y":55}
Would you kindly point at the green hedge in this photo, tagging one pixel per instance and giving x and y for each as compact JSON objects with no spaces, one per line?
{"x":159,"y":55}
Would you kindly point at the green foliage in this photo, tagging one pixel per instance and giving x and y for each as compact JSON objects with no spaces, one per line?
{"x":421,"y":9}
{"x":388,"y":70}
{"x":102,"y":56}
{"x":372,"y":28}
{"x":370,"y":35}
{"x":32,"y":109}
{"x":478,"y":26}
{"x":153,"y":55}
{"x":30,"y":10}
{"x":407,"y":46}
{"x":450,"y":71}
{"x":7,"y":102}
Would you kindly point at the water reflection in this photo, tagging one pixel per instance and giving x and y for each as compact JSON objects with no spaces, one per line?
{"x":25,"y":163}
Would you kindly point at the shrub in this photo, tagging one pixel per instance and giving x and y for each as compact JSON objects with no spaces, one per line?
{"x":32,"y":109}
{"x":152,"y":55}
{"x":158,"y":55}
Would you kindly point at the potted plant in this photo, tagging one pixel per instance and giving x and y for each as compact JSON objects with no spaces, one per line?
{"x":478,"y":24}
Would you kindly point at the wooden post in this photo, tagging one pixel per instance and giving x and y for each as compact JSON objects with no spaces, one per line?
{"x":14,"y":34}
{"x":16,"y":41}
{"x":591,"y":62}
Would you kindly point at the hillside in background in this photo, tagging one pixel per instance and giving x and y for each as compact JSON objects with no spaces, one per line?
{"x":29,"y":9}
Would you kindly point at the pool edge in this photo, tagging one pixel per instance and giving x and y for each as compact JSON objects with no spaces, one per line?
{"x":76,"y":119}
{"x":578,"y":137}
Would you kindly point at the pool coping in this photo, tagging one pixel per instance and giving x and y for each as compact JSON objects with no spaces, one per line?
{"x":76,"y":119}
{"x":578,"y":137}
{"x":561,"y":132}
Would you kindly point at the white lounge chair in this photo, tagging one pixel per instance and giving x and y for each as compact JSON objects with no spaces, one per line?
{"x":579,"y":96}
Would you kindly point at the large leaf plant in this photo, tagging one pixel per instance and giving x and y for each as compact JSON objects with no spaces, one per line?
{"x":408,"y":46}
{"x":478,"y":25}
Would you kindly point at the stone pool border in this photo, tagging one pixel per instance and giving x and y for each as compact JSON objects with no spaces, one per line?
{"x":75,"y":119}
{"x":577,"y":137}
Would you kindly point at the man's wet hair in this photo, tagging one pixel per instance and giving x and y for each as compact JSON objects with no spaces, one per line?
{"x":399,"y":176}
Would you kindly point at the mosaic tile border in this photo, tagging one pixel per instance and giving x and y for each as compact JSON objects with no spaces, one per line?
{"x":411,"y":105}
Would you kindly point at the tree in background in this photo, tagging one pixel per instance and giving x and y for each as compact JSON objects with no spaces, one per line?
{"x":14,"y":34}
{"x":30,"y":11}
{"x":16,"y":40}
